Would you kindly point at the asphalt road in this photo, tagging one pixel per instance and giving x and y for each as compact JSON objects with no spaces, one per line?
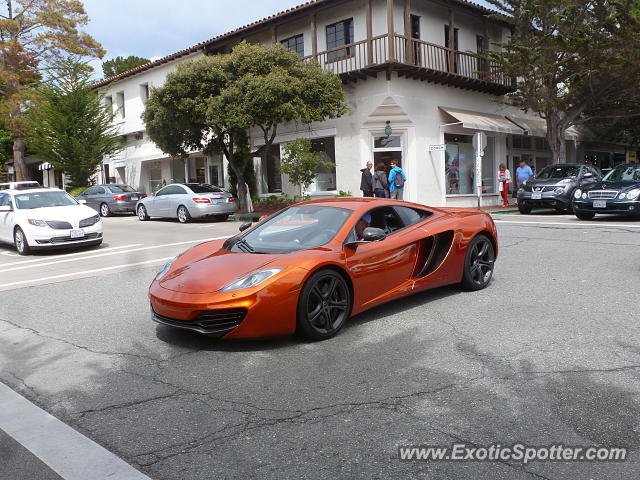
{"x":549,"y":353}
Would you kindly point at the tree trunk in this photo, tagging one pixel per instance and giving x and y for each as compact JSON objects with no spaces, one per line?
{"x":555,"y":137}
{"x":18,"y":158}
{"x":241,"y":186}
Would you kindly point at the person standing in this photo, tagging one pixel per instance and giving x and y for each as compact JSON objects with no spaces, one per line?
{"x":504,"y":177}
{"x":366,"y":181}
{"x":380,"y":182}
{"x":523,"y":173}
{"x":397,"y":177}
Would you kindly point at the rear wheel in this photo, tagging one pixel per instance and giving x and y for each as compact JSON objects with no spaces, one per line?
{"x":324,"y":305}
{"x":104,"y":210}
{"x":478,"y":263}
{"x":183,"y":214}
{"x":142,"y":213}
{"x":20,"y":242}
{"x":222,"y":218}
{"x":585,"y":215}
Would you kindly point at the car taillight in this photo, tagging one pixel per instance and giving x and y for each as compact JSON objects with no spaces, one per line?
{"x":144,"y":195}
{"x":201,"y":200}
{"x":120,"y":197}
{"x":231,"y":199}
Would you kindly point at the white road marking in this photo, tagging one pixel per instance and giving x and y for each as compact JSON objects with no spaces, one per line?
{"x":66,"y":451}
{"x":87,"y":252}
{"x":9,"y":254}
{"x":581,"y":225}
{"x":119,"y":252}
{"x":84,"y":272}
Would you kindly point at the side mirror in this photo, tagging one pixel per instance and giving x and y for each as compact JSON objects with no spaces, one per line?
{"x":6,"y":208}
{"x":587,"y":175}
{"x":82,"y":202}
{"x":373,"y":234}
{"x":244,"y":226}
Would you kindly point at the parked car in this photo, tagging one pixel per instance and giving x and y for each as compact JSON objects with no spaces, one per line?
{"x":111,"y":198}
{"x":311,"y":266}
{"x":618,"y":192}
{"x":553,"y":187}
{"x":46,"y":218}
{"x":19,"y":185}
{"x":185,"y":201}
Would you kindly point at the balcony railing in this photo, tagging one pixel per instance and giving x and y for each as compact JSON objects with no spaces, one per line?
{"x":415,"y":57}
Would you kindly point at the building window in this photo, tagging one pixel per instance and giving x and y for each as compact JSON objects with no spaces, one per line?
{"x":447,"y":43}
{"x":521,"y":142}
{"x":326,"y":179}
{"x":339,"y":34}
{"x":271,"y":176}
{"x":144,"y":92}
{"x":120,"y":104}
{"x":460,"y":166}
{"x":108,"y":102}
{"x":295,"y":44}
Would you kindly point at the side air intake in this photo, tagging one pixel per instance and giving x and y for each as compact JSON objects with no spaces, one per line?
{"x":436,"y":248}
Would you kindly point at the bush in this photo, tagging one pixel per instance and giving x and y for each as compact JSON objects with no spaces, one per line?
{"x":74,"y":192}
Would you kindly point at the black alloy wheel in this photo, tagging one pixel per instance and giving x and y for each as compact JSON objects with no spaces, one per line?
{"x":324,"y":305}
{"x":478,"y":264}
{"x":524,"y":210}
{"x":585,"y":215}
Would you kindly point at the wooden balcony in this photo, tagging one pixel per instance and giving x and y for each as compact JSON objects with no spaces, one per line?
{"x":413,"y":58}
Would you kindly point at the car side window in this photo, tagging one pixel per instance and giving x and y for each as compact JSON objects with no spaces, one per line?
{"x":99,"y":191}
{"x":5,"y":200}
{"x":90,"y":191}
{"x":163,"y":191}
{"x":596,"y":173}
{"x":411,"y":216}
{"x":384,"y":218}
{"x":177,"y":190}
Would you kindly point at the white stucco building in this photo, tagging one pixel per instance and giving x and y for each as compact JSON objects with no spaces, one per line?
{"x":415,"y":65}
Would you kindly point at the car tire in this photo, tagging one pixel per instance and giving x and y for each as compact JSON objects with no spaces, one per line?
{"x":479,"y":263}
{"x":524,"y":210}
{"x":104,"y":210}
{"x":585,"y":215}
{"x":324,"y":305}
{"x":183,"y":214}
{"x":222,"y":218}
{"x":20,"y":242}
{"x":143,"y":216}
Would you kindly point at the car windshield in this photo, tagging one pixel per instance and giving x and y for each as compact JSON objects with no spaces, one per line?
{"x":120,"y":188}
{"x":203,"y":188}
{"x":557,"y":172}
{"x":624,"y":173}
{"x":27,"y":201}
{"x":296,"y":228}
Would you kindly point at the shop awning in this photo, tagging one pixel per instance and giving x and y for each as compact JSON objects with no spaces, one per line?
{"x":538,"y":128}
{"x":483,"y":121}
{"x":45,"y":166}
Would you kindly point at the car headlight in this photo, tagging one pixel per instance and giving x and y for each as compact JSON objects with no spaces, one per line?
{"x":577,"y":193}
{"x":633,"y":194}
{"x":559,"y":190}
{"x":584,"y":195}
{"x":38,"y":223}
{"x":251,"y":280}
{"x":163,"y":271}
{"x":622,"y":196}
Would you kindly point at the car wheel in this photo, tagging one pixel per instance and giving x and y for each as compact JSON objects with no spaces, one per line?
{"x":183,"y":214}
{"x":142,"y":213}
{"x":20,"y":242}
{"x":585,"y":215}
{"x":324,"y":305}
{"x":478,"y":263}
{"x":104,"y":210}
{"x":524,"y":210}
{"x":222,"y":218}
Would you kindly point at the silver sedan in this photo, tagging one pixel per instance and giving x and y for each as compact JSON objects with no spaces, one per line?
{"x":185,"y":201}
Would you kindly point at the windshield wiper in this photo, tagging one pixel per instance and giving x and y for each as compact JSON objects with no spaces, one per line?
{"x":244,"y":246}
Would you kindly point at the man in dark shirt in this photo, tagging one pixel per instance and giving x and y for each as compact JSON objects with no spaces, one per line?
{"x":366,"y":182}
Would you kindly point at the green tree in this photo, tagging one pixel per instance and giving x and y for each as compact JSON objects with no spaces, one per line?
{"x":121,"y":64}
{"x":213,"y":102}
{"x":69,"y":125}
{"x":301,"y":164}
{"x":32,"y":34}
{"x":569,"y":56}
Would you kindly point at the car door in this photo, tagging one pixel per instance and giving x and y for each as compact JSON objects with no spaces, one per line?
{"x":177,"y":197}
{"x":157,"y":204}
{"x":378,"y":268}
{"x":103,"y":195}
{"x":6,"y":218}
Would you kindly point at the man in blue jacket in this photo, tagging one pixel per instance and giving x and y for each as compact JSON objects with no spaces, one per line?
{"x":397,"y":177}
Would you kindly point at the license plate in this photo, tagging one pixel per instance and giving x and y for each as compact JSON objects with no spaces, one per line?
{"x":219,"y":201}
{"x":134,"y":197}
{"x":599,"y":204}
{"x":536,"y":195}
{"x":77,"y":233}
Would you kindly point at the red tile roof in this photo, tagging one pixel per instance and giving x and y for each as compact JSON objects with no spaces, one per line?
{"x":199,"y":46}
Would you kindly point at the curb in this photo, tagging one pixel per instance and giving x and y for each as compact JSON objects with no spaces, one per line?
{"x":491,"y":212}
{"x":245,"y":218}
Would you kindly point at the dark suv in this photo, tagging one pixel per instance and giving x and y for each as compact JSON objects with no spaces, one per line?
{"x":554,"y":185}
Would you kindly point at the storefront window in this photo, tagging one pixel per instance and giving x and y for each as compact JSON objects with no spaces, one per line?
{"x":326,"y":179}
{"x":177,"y":171}
{"x":460,"y":166}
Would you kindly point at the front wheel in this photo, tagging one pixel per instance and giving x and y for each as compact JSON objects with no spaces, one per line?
{"x":104,"y":210}
{"x":20,"y":242}
{"x":142,"y":213}
{"x":183,"y":214}
{"x":524,"y":210}
{"x":478,"y":263}
{"x":324,"y":305}
{"x":585,"y":215}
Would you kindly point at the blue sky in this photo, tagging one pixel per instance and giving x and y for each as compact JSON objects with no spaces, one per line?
{"x":155,"y":28}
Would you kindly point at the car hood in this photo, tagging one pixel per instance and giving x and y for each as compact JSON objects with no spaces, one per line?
{"x":207,"y":268}
{"x":620,"y":186}
{"x":538,"y":182}
{"x":70,"y":213}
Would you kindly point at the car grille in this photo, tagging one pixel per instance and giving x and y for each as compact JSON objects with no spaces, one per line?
{"x":87,"y":222}
{"x":211,"y":321}
{"x":68,"y":239}
{"x":544,"y":189}
{"x":610,"y":194}
{"x":58,"y":225}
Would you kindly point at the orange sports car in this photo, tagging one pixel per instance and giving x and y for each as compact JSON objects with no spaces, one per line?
{"x":311,"y":266}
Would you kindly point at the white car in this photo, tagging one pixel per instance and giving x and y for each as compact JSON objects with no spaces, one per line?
{"x":19,"y":185}
{"x":46,"y":218}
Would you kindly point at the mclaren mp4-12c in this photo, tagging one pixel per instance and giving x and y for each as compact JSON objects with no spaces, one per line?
{"x":311,"y":266}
